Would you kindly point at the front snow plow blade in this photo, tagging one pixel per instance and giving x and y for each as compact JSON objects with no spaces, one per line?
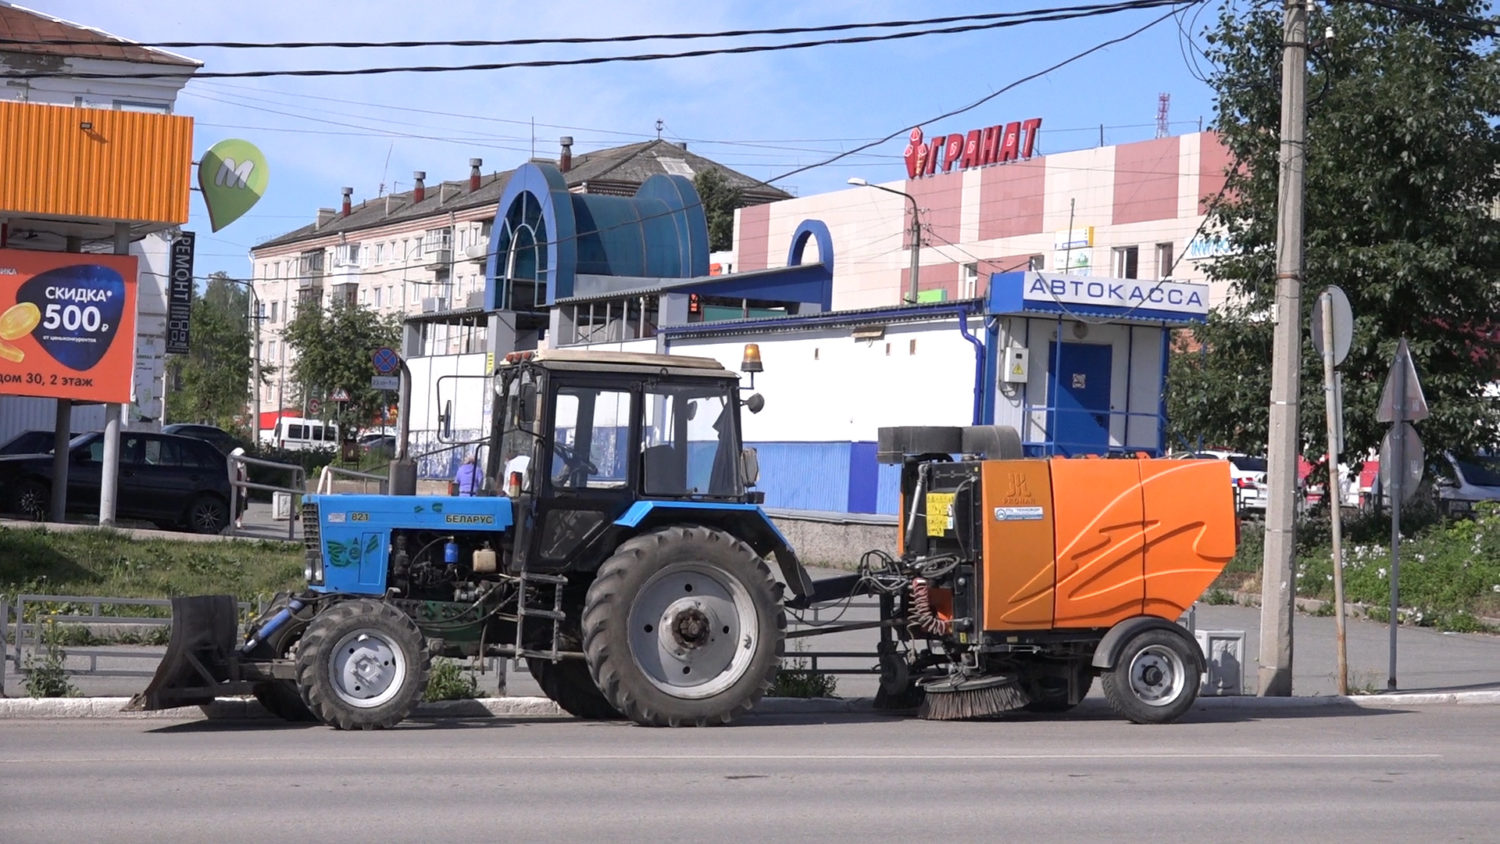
{"x":199,"y":658}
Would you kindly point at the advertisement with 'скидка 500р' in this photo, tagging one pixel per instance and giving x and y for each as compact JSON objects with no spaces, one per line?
{"x":67,"y":325}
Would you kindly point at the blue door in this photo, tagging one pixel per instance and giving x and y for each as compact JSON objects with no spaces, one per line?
{"x":1080,"y":421}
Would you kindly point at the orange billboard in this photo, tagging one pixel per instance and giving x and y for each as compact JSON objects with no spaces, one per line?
{"x":67,"y":325}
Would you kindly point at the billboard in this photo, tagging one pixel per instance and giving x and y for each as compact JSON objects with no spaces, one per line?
{"x":67,"y":325}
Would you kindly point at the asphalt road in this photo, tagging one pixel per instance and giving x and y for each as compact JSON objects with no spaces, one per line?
{"x":1226,"y":774}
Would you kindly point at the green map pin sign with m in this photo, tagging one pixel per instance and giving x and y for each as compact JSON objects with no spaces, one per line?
{"x":232,"y":176}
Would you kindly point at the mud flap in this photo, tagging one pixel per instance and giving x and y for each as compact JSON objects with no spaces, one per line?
{"x":199,"y":654}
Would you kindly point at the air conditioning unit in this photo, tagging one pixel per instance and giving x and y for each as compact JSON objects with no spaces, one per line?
{"x":477,"y":252}
{"x":434,"y":304}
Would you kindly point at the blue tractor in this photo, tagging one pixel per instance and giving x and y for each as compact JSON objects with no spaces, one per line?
{"x":615,"y":543}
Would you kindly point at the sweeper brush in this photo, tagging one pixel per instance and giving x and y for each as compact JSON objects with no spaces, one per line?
{"x":959,"y":698}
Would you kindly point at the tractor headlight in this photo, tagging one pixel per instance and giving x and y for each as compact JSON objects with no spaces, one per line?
{"x":313,"y":571}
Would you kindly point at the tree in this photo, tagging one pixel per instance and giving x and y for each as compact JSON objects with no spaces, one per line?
{"x":1402,"y":175}
{"x":720,"y":199}
{"x":333,"y":349}
{"x":211,"y":383}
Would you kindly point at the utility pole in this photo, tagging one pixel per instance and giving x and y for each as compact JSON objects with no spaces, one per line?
{"x":1278,"y":583}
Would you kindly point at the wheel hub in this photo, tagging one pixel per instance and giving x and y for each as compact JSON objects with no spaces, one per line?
{"x":688,"y":625}
{"x":692,"y":630}
{"x":366,"y":670}
{"x":1157,"y":676}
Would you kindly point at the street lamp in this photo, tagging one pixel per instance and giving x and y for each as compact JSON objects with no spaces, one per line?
{"x":916,"y":231}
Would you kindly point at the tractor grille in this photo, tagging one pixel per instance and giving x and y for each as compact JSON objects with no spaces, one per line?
{"x":310,"y":534}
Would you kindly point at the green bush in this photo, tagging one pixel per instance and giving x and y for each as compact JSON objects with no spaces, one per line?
{"x":46,"y":675}
{"x":450,"y":680}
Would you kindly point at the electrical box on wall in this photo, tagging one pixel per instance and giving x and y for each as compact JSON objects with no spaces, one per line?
{"x":1017,"y":366}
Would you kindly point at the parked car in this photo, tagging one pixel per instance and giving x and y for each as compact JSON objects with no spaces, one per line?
{"x":171,"y":481}
{"x":219,"y":438}
{"x":1460,"y":484}
{"x":383,"y":445}
{"x":1246,"y":473}
{"x":29,"y":442}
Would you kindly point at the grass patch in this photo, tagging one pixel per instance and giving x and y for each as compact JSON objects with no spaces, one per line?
{"x":111,"y":563}
{"x":450,"y":679}
{"x":1450,"y":570}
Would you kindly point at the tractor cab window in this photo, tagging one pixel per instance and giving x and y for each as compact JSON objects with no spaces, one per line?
{"x":591,"y":435}
{"x":688,"y":441}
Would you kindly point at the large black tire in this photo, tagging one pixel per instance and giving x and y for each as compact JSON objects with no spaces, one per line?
{"x":684,"y":627}
{"x":569,"y":684}
{"x":362,"y":665}
{"x":281,"y":698}
{"x":207,"y":514}
{"x":32,"y":499}
{"x":1155,"y":679}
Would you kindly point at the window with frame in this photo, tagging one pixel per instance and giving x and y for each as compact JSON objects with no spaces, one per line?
{"x":591,"y":432}
{"x":1125,"y":262}
{"x":1164,"y":260}
{"x":687,"y":441}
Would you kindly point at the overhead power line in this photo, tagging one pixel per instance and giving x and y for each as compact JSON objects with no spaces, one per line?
{"x":1034,"y":16}
{"x":536,"y":42}
{"x":982,"y":100}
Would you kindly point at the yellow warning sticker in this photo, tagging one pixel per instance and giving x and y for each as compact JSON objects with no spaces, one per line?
{"x":939,"y":513}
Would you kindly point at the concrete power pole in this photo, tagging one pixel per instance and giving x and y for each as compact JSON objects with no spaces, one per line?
{"x":1278,"y":583}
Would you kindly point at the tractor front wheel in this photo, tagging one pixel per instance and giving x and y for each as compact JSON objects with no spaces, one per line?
{"x":1155,"y":678}
{"x":684,"y":627}
{"x":362,"y":665}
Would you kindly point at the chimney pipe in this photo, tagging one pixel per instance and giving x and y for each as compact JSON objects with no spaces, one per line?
{"x":419,"y":192}
{"x":325,"y":216}
{"x":348,"y":198}
{"x":474,"y":173}
{"x":565,"y":160}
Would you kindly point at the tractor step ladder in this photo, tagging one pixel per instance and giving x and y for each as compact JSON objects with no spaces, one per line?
{"x":523,"y":611}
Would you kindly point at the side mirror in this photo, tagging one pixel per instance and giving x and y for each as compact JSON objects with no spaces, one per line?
{"x":526,"y":405}
{"x":749,"y":465}
{"x":755,"y":403}
{"x":445,"y":420}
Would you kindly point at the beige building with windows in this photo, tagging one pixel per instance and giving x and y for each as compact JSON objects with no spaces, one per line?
{"x":422,"y":253}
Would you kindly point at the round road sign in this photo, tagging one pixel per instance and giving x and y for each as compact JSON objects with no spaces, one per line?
{"x":1343,"y":324}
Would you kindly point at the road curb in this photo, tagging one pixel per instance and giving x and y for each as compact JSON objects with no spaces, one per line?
{"x":248,"y":709}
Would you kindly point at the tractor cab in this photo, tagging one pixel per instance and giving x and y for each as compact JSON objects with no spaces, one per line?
{"x":585,"y":443}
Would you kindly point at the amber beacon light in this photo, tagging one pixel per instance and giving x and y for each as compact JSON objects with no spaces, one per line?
{"x":751,"y":361}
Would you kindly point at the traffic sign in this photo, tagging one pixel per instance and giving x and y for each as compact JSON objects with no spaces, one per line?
{"x":340,"y":395}
{"x":314,"y":406}
{"x":386,"y":361}
{"x":385,"y":382}
{"x":1403,"y":379}
{"x":1414,"y":457}
{"x":1343,"y":324}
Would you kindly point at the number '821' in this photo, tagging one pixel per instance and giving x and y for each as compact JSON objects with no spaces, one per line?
{"x":73,"y":317}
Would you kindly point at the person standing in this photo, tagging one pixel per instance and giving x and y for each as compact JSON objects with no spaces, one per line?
{"x":466,"y":480}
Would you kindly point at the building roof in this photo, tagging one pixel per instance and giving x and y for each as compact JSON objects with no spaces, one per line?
{"x":21,"y":30}
{"x":627,"y":165}
{"x":634,"y":163}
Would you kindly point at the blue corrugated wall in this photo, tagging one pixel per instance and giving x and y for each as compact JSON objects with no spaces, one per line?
{"x":838,"y":477}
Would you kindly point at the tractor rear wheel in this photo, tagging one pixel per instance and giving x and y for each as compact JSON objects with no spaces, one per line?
{"x":568,"y":684}
{"x":684,"y":627}
{"x":362,"y":665}
{"x":1155,"y":678}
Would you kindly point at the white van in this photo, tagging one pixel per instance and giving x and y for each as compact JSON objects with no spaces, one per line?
{"x":302,"y":434}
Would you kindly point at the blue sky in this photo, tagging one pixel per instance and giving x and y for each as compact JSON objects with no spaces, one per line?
{"x":762,"y":114}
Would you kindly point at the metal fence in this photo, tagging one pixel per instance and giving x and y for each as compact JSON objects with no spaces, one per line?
{"x":85,"y":660}
{"x":240,"y":485}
